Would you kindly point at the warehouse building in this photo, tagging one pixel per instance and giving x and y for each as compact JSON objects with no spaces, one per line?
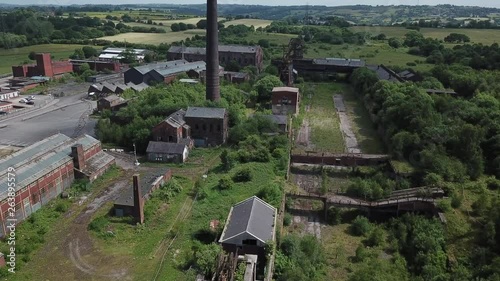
{"x":44,"y":67}
{"x":163,"y":72}
{"x":209,"y":126}
{"x":241,"y":55}
{"x":46,"y":168}
{"x":113,"y":54}
{"x":285,"y":100}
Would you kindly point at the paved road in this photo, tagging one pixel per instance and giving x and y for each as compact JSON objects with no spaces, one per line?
{"x":63,"y":115}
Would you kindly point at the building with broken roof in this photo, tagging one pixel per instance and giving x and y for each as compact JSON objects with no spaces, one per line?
{"x":132,"y":198}
{"x":324,"y":66}
{"x":46,"y":168}
{"x":173,"y":129}
{"x":112,"y":103}
{"x":103,"y":89}
{"x":250,"y":224}
{"x":241,"y":55}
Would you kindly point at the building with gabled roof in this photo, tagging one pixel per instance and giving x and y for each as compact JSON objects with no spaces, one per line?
{"x":285,"y":100}
{"x":251,"y":224}
{"x":159,"y":151}
{"x":209,"y":125}
{"x":111,"y":102}
{"x":45,"y":169}
{"x":173,"y":129}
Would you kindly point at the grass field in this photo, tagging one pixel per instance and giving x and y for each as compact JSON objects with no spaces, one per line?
{"x":154,"y":38}
{"x":255,"y":22}
{"x":19,"y":55}
{"x":322,"y":117}
{"x":362,"y":125}
{"x":484,"y":36}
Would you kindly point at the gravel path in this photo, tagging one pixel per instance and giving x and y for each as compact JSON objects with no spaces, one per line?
{"x":351,"y":142}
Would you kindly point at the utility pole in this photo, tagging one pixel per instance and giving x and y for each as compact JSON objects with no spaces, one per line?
{"x":136,"y":163}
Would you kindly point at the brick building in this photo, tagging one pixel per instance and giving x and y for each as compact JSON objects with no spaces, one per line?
{"x":242,"y":55}
{"x":44,"y":67}
{"x":112,"y":102}
{"x":131,"y":200}
{"x":285,"y":100}
{"x":169,"y":152}
{"x":97,"y":65}
{"x":209,"y":126}
{"x":173,"y":129}
{"x":44,"y":169}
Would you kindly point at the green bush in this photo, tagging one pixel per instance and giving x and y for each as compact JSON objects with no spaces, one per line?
{"x":360,"y":226}
{"x":334,"y":216}
{"x":98,"y":224}
{"x":61,"y":207}
{"x":444,"y":205}
{"x":243,"y":175}
{"x":456,"y":201}
{"x":287,"y":220}
{"x":225,"y":183}
{"x":376,"y":237}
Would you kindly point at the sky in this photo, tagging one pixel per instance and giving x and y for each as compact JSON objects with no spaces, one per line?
{"x":483,"y":3}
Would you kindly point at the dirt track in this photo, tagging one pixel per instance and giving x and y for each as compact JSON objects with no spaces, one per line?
{"x":351,"y":142}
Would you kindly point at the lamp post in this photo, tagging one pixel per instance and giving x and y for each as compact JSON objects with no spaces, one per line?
{"x":136,"y":163}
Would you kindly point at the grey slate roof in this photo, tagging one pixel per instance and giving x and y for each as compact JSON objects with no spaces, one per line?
{"x":143,"y":69}
{"x":222,"y":48}
{"x":112,"y":98}
{"x":165,"y":147}
{"x":253,"y":216}
{"x":278,"y":119}
{"x":340,"y":62}
{"x":206,"y":112}
{"x":167,"y":71}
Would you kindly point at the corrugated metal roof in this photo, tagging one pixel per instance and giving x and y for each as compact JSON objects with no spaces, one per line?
{"x":286,"y":89}
{"x":143,"y":69}
{"x":206,"y":112}
{"x":39,"y":158}
{"x":340,"y":62}
{"x":222,"y":48}
{"x":198,"y":66}
{"x":253,"y":216}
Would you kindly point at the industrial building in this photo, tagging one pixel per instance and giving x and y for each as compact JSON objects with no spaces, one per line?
{"x":113,"y":54}
{"x":285,"y":100}
{"x":44,"y":67}
{"x":104,"y":89}
{"x":112,"y":103}
{"x":250,"y":224}
{"x":242,"y":55}
{"x":168,"y":152}
{"x":132,"y":199}
{"x":173,"y":129}
{"x":209,"y":126}
{"x":98,"y":66}
{"x":164,"y":72}
{"x":46,"y":168}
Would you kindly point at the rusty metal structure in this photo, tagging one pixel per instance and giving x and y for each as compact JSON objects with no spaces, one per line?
{"x":212,"y":76}
{"x":294,"y":50}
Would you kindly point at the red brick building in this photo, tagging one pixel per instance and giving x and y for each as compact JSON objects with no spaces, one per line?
{"x":46,"y":168}
{"x":285,"y":100}
{"x":172,"y":129}
{"x":142,"y":186}
{"x":44,"y":67}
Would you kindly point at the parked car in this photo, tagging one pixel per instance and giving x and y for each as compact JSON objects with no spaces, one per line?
{"x":3,"y":112}
{"x":23,"y":100}
{"x":30,"y":102}
{"x":32,"y":97}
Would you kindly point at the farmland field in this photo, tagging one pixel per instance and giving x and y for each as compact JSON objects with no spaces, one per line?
{"x":255,"y":22}
{"x":484,"y":36}
{"x":194,"y":21}
{"x":19,"y":55}
{"x":154,"y":38}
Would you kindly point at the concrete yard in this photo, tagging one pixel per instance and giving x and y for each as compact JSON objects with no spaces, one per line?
{"x":68,"y":115}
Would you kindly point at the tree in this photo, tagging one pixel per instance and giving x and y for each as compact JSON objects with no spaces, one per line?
{"x":376,"y":237}
{"x":264,"y":43}
{"x":227,"y":160}
{"x":202,"y":24}
{"x":175,"y":27}
{"x":360,"y":226}
{"x":31,"y":55}
{"x":206,"y":258}
{"x":225,"y":183}
{"x":243,"y":175}
{"x":182,"y":26}
{"x":265,"y":85}
{"x":89,"y":52}
{"x":78,"y":54}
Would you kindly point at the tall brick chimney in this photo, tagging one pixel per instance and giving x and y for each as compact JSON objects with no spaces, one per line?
{"x":138,"y":201}
{"x":44,"y":64}
{"x":78,"y":156}
{"x":212,"y":76}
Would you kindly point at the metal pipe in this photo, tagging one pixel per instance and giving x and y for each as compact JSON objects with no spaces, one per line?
{"x":212,"y":63}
